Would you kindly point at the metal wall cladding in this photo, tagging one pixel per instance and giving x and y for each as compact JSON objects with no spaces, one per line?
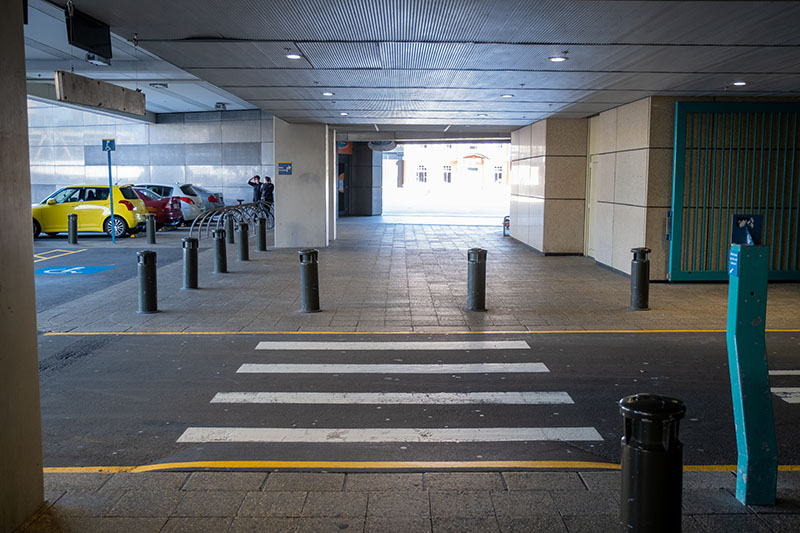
{"x":241,"y":153}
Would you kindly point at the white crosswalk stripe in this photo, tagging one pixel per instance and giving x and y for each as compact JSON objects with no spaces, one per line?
{"x":468,"y":368}
{"x":383,"y":346}
{"x":787,"y":394}
{"x":389,"y":398}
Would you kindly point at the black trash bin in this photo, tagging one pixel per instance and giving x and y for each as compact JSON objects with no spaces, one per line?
{"x":652,"y":463}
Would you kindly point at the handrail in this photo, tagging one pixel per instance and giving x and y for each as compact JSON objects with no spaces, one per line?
{"x":244,"y":213}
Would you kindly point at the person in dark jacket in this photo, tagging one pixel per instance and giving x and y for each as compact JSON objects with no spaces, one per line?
{"x":267,"y":191}
{"x":255,"y":183}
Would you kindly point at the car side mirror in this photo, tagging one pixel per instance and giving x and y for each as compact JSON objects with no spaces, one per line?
{"x":51,"y":201}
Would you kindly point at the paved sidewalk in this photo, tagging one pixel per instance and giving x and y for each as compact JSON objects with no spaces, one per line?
{"x":387,"y":502}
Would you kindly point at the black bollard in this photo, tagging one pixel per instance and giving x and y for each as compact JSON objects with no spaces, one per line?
{"x":244,"y":245}
{"x":220,"y":255}
{"x":476,"y":279}
{"x":72,"y":228}
{"x":652,"y":463}
{"x":229,"y":229}
{"x":148,"y":290}
{"x":190,"y":245}
{"x":640,"y":279}
{"x":262,"y":234}
{"x":309,"y":281}
{"x":150,"y":227}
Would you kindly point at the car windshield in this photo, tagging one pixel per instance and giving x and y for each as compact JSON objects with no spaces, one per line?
{"x":148,"y":193}
{"x":160,"y":190}
{"x":188,"y":189}
{"x":201,"y":190}
{"x":129,"y":193}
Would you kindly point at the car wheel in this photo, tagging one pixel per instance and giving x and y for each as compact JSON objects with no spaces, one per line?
{"x":52,"y":233}
{"x":37,"y":229}
{"x":120,"y":226}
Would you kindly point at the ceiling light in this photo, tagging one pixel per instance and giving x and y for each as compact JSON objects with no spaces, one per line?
{"x":557,"y":59}
{"x":740,"y":83}
{"x":292,"y":55}
{"x":344,"y":114}
{"x":327,"y":93}
{"x":506,"y":96}
{"x":482,"y":115}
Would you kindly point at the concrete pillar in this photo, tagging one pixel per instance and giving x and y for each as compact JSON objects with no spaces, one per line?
{"x":333,"y":188}
{"x":366,"y":192}
{"x":302,"y":200}
{"x":21,"y":488}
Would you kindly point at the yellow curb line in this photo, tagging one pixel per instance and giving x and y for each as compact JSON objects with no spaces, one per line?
{"x":510,"y":332}
{"x":374,"y":465}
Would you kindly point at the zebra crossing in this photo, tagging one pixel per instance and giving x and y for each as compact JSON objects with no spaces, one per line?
{"x":342,"y":353}
{"x":787,"y":394}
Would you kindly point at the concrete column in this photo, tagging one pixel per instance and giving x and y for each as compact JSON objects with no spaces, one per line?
{"x":301,"y":199}
{"x":333,"y":189}
{"x":21,"y":488}
{"x":366,"y":181}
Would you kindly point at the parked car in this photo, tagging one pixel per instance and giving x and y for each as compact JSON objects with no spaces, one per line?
{"x":191,"y":204}
{"x":90,"y":203}
{"x":166,"y":209}
{"x":211,"y":200}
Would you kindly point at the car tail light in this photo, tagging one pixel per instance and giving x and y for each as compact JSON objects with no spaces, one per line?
{"x":212,"y":198}
{"x":127,"y":204}
{"x":186,"y":199}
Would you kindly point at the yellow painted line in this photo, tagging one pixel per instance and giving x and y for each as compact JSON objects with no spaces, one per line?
{"x":43,"y":256}
{"x":375,"y":465}
{"x":511,"y":332}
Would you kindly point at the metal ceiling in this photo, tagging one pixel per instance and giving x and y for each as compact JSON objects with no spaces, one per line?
{"x":401,"y":63}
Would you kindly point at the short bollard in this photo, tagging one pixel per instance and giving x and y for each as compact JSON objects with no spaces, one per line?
{"x":229,"y":229}
{"x":220,"y":255}
{"x":262,"y":234}
{"x":244,"y":245}
{"x":640,"y":279}
{"x":476,"y":279}
{"x":652,"y":463}
{"x":150,"y":228}
{"x":72,"y":228}
{"x":190,"y":245}
{"x":309,"y":281}
{"x":148,"y":293}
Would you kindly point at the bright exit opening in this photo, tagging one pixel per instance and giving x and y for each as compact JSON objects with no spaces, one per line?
{"x":459,"y":180}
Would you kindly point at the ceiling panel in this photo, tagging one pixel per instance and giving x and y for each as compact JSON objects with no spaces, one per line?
{"x":342,"y":55}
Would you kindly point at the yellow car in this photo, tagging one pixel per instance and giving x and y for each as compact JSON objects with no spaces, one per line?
{"x":90,"y":203}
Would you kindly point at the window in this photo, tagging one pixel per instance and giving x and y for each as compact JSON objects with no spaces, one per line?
{"x":95,"y":194}
{"x":70,"y":194}
{"x":498,"y":174}
{"x":448,"y":173}
{"x":422,"y":174}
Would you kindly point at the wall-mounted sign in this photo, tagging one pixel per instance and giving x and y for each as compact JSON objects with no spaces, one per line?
{"x":109,"y":145}
{"x":284,"y":168}
{"x":382,"y":146}
{"x":746,"y":228}
{"x":344,"y":148}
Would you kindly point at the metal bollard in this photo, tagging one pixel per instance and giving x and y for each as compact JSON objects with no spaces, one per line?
{"x":652,"y":463}
{"x":220,"y":255}
{"x":262,"y":234}
{"x":244,"y":245}
{"x":150,"y":227}
{"x":72,"y":228}
{"x":229,"y":229}
{"x":148,"y":289}
{"x":476,"y":279}
{"x":190,"y":245}
{"x":309,"y":281}
{"x":640,"y":279}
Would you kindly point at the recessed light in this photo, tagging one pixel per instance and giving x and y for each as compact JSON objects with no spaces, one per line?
{"x":327,"y":93}
{"x":558,"y":59}
{"x":507,"y":96}
{"x":740,"y":83}
{"x":293,"y":55}
{"x":482,"y":115}
{"x":344,"y":114}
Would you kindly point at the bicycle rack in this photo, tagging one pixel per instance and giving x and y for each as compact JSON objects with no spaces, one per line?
{"x":214,"y":219}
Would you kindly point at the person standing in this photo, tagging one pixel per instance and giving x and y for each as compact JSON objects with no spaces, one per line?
{"x":268,"y":191}
{"x":255,"y":183}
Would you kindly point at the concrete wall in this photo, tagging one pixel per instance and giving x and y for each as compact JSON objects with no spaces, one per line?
{"x":21,"y":483}
{"x":219,"y":150}
{"x":302,"y":200}
{"x":630,"y":183}
{"x":548,"y":180}
{"x":366,"y":183}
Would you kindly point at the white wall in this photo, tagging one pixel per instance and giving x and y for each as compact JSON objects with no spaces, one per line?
{"x":302,"y":200}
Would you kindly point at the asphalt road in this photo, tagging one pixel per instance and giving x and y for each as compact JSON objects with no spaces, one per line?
{"x":127,"y":400}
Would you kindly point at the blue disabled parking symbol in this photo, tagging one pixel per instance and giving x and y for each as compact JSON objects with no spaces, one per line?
{"x":69,"y":270}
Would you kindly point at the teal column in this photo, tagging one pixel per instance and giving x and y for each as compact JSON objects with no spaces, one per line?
{"x":757,"y":471}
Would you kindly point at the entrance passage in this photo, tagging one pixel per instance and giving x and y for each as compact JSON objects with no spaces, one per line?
{"x":452,"y":180}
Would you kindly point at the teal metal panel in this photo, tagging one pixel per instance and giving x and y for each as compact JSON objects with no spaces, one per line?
{"x":734,"y":157}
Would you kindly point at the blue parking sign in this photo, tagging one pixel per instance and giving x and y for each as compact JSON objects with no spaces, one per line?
{"x":109,"y":145}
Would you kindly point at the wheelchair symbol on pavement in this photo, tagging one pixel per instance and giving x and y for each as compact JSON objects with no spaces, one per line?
{"x":59,"y":270}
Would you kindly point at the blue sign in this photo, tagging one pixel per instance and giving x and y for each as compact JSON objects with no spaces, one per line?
{"x":733,"y":263}
{"x":67,"y":270}
{"x":284,"y":168}
{"x":109,"y":145}
{"x":746,"y":229}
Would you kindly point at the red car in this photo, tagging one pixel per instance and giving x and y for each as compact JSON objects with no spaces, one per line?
{"x":166,"y":209}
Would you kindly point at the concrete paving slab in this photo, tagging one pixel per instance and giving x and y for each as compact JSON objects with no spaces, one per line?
{"x":463,"y":481}
{"x":272,"y":504}
{"x":155,"y":481}
{"x":523,"y":503}
{"x":330,"y":525}
{"x":403,"y":503}
{"x":88,"y":503}
{"x":462,"y":504}
{"x":260,"y":525}
{"x":178,"y":524}
{"x":64,"y":482}
{"x":235,"y":481}
{"x":335,"y":504}
{"x":527,"y":524}
{"x":210,"y":503}
{"x":307,"y":481}
{"x":147,"y":502}
{"x":712,"y":501}
{"x":384,"y":482}
{"x":397,"y":523}
{"x":732,"y":524}
{"x":543,"y":481}
{"x":446,"y":524}
{"x":584,"y":503}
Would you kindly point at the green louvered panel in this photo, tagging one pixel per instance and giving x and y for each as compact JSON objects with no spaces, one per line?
{"x":734,"y":158}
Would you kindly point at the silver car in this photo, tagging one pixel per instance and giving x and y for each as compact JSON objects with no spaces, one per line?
{"x":191,"y":204}
{"x":211,"y":200}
